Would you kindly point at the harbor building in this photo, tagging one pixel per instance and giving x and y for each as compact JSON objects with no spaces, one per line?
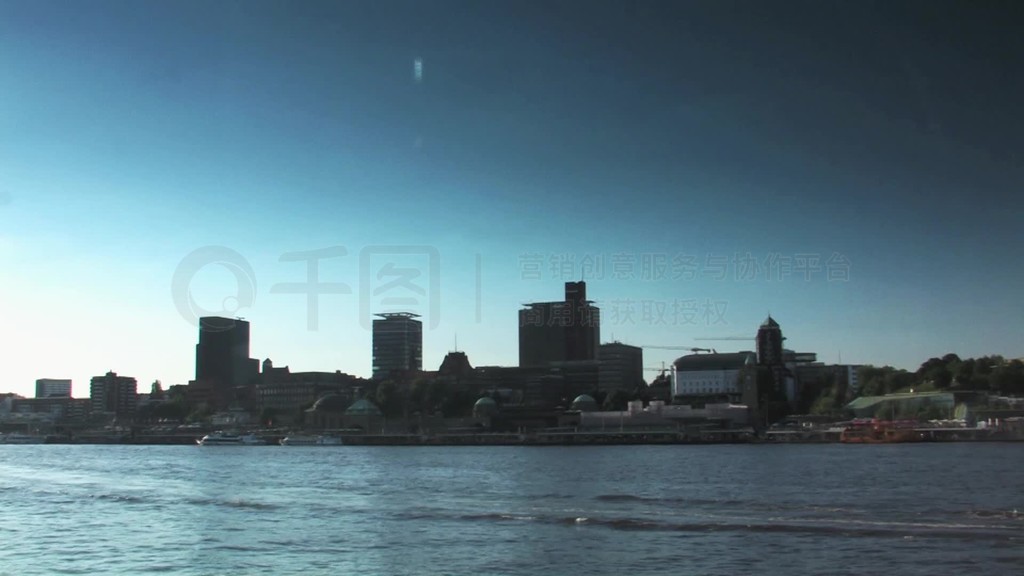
{"x":712,"y":377}
{"x":397,"y":344}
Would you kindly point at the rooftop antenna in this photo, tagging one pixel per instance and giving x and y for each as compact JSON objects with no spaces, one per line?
{"x":456,"y":342}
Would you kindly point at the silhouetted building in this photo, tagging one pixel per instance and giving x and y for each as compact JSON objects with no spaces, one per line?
{"x":621,"y":367}
{"x":397,"y":344}
{"x":566,"y":331}
{"x":769,"y":343}
{"x":455,"y":364}
{"x":287,"y":392}
{"x":583,"y":323}
{"x":50,"y":387}
{"x":222,"y":355}
{"x":113,"y":394}
{"x":456,"y":371}
{"x":539,"y":387}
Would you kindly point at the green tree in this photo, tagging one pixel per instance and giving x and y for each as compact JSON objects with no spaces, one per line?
{"x":617,"y":400}
{"x":200,"y":413}
{"x":418,"y":394}
{"x":438,"y":395}
{"x":823,"y":404}
{"x":176,"y":410}
{"x":389,"y":399}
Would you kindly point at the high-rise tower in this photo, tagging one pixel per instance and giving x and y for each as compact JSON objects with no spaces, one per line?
{"x":569,"y":330}
{"x":222,"y":355}
{"x":397,"y":344}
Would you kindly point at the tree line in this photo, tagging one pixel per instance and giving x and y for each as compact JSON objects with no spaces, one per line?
{"x":990,"y":374}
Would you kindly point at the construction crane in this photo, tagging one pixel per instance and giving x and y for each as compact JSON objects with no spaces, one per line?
{"x":662,"y":372}
{"x":712,"y":350}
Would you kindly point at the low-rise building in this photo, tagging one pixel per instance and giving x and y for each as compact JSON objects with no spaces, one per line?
{"x":50,"y":387}
{"x":711,"y":376}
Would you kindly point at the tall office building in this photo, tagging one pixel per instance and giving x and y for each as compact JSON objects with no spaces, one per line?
{"x":114,"y":394}
{"x":397,"y":344}
{"x":566,"y":331}
{"x":52,"y":387}
{"x":222,"y":355}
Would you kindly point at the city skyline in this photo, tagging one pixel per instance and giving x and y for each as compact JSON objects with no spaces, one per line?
{"x":872,"y":150}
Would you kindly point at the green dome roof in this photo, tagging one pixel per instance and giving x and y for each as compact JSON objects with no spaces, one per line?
{"x":485,"y":406}
{"x":363,"y":407}
{"x":330,"y":403}
{"x":584,"y":403}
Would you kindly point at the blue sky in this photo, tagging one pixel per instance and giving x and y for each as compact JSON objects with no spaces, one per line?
{"x":885,"y":139}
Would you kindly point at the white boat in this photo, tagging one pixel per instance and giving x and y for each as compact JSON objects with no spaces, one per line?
{"x":19,"y":438}
{"x":300,"y":440}
{"x":225,"y":439}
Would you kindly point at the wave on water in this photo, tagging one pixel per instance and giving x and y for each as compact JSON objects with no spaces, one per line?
{"x":734,"y":503}
{"x":997,"y":514}
{"x":852,"y":528}
{"x":233,"y":503}
{"x":126,"y":498}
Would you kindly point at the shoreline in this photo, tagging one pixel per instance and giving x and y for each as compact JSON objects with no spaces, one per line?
{"x":928,"y":436}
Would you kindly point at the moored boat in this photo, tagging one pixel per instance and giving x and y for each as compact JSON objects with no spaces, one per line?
{"x":301,"y":440}
{"x":226,"y":439}
{"x":19,"y":438}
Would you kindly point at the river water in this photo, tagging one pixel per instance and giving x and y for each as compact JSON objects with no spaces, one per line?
{"x":754,"y":509}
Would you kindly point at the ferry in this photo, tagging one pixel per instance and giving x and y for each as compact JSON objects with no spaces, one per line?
{"x":299,"y":440}
{"x":225,"y":439}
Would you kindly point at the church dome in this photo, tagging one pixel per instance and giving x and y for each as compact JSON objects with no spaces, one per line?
{"x":331,"y":403}
{"x":484,"y":407}
{"x":584,"y":403}
{"x":363,"y":407}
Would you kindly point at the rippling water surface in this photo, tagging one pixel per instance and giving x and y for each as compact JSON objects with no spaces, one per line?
{"x":802,"y":509}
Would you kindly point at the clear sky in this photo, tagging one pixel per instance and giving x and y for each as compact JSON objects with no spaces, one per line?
{"x":853,"y":168}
